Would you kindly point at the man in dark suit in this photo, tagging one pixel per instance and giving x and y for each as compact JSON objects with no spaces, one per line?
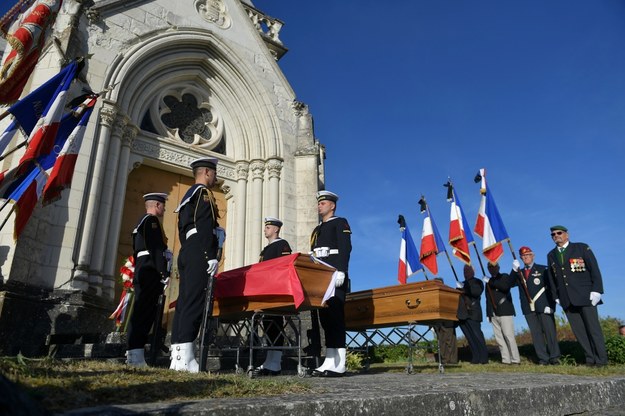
{"x":501,"y":314}
{"x":470,"y":315}
{"x":539,"y":308}
{"x":274,"y":325}
{"x":152,"y":266}
{"x":575,"y":280}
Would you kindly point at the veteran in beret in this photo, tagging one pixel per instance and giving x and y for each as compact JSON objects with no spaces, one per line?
{"x":575,"y":280}
{"x":538,"y":306}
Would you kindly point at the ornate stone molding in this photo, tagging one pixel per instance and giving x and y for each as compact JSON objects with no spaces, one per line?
{"x":274,"y":168}
{"x":213,"y":11}
{"x":242,"y":169}
{"x":226,"y":189}
{"x":93,"y":16}
{"x":310,"y":150}
{"x":258,"y":169}
{"x":156,"y":151}
{"x":300,"y":108}
{"x":129,"y":135}
{"x":108,"y":113}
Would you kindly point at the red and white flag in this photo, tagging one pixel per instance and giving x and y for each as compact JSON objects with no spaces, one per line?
{"x":26,"y":43}
{"x":63,"y":169}
{"x":429,"y":249}
{"x":26,"y":202}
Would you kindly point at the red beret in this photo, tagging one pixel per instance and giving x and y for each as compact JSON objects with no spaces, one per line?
{"x":525,"y":250}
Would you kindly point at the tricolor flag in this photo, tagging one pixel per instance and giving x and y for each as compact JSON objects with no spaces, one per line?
{"x":431,"y":241}
{"x":489,"y":225}
{"x":26,"y":196}
{"x":408,"y":254}
{"x":63,"y":170}
{"x":43,"y":135}
{"x":460,"y":235}
{"x":26,"y":43}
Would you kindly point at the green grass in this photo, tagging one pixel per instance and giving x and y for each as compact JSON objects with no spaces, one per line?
{"x":60,"y":386}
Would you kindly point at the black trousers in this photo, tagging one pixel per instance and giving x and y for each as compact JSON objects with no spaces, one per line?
{"x":472,"y":331}
{"x":584,"y":322}
{"x":332,"y":321}
{"x":543,"y":329}
{"x":147,"y":288}
{"x":194,"y":279}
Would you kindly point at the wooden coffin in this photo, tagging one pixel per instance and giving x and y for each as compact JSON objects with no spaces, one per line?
{"x":314,"y":279}
{"x":420,"y":302}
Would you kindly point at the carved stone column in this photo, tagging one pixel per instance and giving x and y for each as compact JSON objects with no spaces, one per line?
{"x":110,"y":266}
{"x":106,"y":205}
{"x":242,"y":170}
{"x":80,"y":280}
{"x":229,"y":246}
{"x":274,"y":168}
{"x":256,"y":199}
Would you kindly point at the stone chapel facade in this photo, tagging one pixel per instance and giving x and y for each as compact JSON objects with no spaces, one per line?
{"x":186,"y":79}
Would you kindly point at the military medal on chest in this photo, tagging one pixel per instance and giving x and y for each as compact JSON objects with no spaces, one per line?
{"x":577,"y":265}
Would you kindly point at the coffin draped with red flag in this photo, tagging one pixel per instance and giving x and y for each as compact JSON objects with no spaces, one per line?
{"x":286,"y":284}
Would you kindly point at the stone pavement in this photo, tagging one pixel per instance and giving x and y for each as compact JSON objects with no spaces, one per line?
{"x":400,"y":394}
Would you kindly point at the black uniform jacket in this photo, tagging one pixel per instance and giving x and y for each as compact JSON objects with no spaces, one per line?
{"x":334,"y":234}
{"x":149,"y":236}
{"x":469,"y":306}
{"x":198,"y":210}
{"x":275,"y":249}
{"x":574,"y":279}
{"x":537,"y":287}
{"x":500,"y":286}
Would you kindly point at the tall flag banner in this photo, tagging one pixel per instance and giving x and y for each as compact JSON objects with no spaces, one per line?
{"x":431,"y":241}
{"x":42,"y":137}
{"x":460,"y":235}
{"x":63,"y":169}
{"x":489,"y":225}
{"x":28,"y":110}
{"x":25,"y":189}
{"x":408,"y":254}
{"x":9,"y":17}
{"x":26,"y":43}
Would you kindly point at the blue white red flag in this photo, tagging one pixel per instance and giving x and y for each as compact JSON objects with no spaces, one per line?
{"x":489,"y":225}
{"x":26,"y":196}
{"x":460,"y":235}
{"x":63,"y":169}
{"x":431,"y":241}
{"x":42,"y":137}
{"x":408,"y":257}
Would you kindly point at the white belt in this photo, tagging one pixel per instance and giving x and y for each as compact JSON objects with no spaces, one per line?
{"x":325,"y":251}
{"x":191,"y":232}
{"x":533,"y":301}
{"x":143,"y":253}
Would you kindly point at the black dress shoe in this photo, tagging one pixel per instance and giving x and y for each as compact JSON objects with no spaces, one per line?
{"x":554,"y":361}
{"x":260,"y":372}
{"x":329,"y":373}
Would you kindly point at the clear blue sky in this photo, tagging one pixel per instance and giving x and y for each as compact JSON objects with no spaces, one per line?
{"x":406,"y":93}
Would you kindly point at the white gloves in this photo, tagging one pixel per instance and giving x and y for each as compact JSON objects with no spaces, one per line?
{"x":548,"y":310}
{"x":595,"y":298}
{"x":516,"y":265}
{"x":212,"y":266}
{"x":558,"y":301}
{"x":221,"y":236}
{"x":340,"y":279}
{"x":485,"y":279}
{"x":459,"y":285}
{"x":165,"y":282}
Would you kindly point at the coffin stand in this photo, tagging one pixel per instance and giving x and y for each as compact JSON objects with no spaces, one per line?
{"x":285,"y":286}
{"x":426,"y":303}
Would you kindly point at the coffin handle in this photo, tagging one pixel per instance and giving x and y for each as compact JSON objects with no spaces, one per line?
{"x":416,"y":305}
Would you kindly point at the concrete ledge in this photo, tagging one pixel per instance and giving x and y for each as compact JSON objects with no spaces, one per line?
{"x":401,"y":394}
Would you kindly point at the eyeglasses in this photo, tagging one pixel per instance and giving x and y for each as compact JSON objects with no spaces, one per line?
{"x":557,"y":233}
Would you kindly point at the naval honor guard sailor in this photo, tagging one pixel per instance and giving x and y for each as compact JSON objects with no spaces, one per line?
{"x":331,"y":242}
{"x":198,"y":230}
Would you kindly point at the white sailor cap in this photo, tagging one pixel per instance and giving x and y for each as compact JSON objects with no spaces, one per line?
{"x":273,"y":221}
{"x":205,"y":162}
{"x":327,"y":196}
{"x":155,"y":196}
